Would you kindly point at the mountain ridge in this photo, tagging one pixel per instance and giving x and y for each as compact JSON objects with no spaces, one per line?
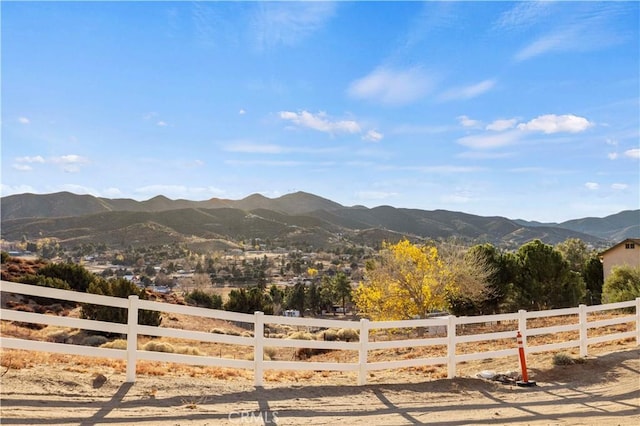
{"x":299,"y":217}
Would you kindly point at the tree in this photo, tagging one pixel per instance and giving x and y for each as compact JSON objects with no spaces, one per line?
{"x":119,"y":287}
{"x":295,"y":297}
{"x":403,"y":282}
{"x":341,"y":289}
{"x":76,"y":276}
{"x":545,"y":280}
{"x":471,"y":271}
{"x":575,"y":252}
{"x":593,"y":275}
{"x":622,"y":284}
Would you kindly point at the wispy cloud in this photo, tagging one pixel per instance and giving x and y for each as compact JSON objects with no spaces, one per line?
{"x":632,"y":153}
{"x":255,"y":148}
{"x":23,"y":120}
{"x":491,"y":140}
{"x":70,"y":163}
{"x":288,"y":23}
{"x":375,"y":195}
{"x":592,"y":186}
{"x":523,"y":15}
{"x":162,"y":123}
{"x":320,"y":122}
{"x":468,"y":122}
{"x":501,"y":125}
{"x":468,"y":92}
{"x":590,"y":27}
{"x":551,"y":123}
{"x":619,"y":186}
{"x":373,"y":136}
{"x":34,"y":159}
{"x":393,"y":87}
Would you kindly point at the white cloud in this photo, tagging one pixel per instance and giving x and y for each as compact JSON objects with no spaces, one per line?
{"x":619,"y":186}
{"x":320,"y":122}
{"x":34,"y":159}
{"x":22,"y":167}
{"x":632,"y":153}
{"x":161,"y":123}
{"x":18,"y":189}
{"x":612,"y":155}
{"x":467,"y":122}
{"x":373,"y":136}
{"x":468,"y":92}
{"x":112,"y":192}
{"x":242,"y":111}
{"x":592,"y":186}
{"x":492,"y":140}
{"x":23,"y":120}
{"x":288,"y":23}
{"x":551,"y":123}
{"x":611,"y":142}
{"x":69,"y":159}
{"x":150,"y":115}
{"x":523,"y":14}
{"x":392,"y":87}
{"x":502,"y":125}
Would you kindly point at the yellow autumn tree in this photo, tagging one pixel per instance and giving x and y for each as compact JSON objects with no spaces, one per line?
{"x":406,"y":281}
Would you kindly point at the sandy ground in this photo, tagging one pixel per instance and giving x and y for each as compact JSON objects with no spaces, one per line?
{"x":605,"y":390}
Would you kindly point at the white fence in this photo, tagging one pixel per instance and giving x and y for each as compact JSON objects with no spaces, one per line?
{"x":259,"y":341}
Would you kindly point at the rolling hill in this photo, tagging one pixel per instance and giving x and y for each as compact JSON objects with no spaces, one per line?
{"x":297,"y":218}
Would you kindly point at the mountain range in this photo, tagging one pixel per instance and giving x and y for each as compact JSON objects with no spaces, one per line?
{"x":294,"y":219}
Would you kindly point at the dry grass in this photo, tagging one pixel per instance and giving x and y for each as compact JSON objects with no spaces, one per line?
{"x":17,"y":359}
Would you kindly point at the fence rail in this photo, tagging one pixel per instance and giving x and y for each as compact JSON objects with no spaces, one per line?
{"x":448,"y":325}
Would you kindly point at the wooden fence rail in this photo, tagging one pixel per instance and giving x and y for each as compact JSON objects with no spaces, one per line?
{"x":445,"y":333}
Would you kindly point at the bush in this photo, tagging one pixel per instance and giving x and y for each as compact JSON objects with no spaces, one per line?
{"x":115,"y":344}
{"x":301,"y":335}
{"x":154,"y":346}
{"x":348,"y":335}
{"x":95,"y":340}
{"x":206,"y":300}
{"x":564,"y":359}
{"x":623,"y":284}
{"x":329,"y":335}
{"x":118,"y":288}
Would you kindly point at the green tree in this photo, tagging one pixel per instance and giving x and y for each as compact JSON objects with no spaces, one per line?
{"x":201,"y":298}
{"x":78,"y":278}
{"x":593,"y":275}
{"x":622,"y":284}
{"x":295,"y":297}
{"x":545,"y":279}
{"x":575,"y":252}
{"x":341,"y":289}
{"x":118,"y":287}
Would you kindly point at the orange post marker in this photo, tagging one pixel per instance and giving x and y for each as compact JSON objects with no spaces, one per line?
{"x":523,"y":364}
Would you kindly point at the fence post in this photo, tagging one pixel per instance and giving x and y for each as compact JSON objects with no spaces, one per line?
{"x":364,"y":351}
{"x":451,"y":347}
{"x":132,"y":338}
{"x":522,"y":326}
{"x":582,"y":316}
{"x":637,"y":321}
{"x":258,"y":347}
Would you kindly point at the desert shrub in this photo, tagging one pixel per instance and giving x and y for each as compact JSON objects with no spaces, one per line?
{"x":203,"y":299}
{"x":301,"y":335}
{"x":158,"y":347}
{"x":4,"y":256}
{"x":58,"y":336}
{"x":188,"y":350}
{"x":115,"y":344}
{"x":329,"y":335}
{"x":270,"y":353}
{"x":94,"y":340}
{"x":564,"y":359}
{"x":218,"y":331}
{"x":348,"y":335}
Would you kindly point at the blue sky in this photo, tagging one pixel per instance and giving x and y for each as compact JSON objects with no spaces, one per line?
{"x":525,"y":110}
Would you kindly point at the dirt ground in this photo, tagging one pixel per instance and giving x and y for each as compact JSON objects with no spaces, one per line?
{"x":604,"y":390}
